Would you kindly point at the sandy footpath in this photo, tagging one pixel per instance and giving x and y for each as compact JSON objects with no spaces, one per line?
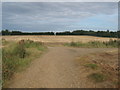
{"x":56,"y":69}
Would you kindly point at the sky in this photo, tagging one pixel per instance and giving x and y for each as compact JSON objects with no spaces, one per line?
{"x":0,"y":16}
{"x":59,"y":16}
{"x":60,"y":0}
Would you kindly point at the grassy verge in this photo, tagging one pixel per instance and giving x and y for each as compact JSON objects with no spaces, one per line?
{"x":95,"y":44}
{"x":102,"y":68}
{"x":97,"y":77}
{"x":16,"y":56}
{"x":92,"y":66}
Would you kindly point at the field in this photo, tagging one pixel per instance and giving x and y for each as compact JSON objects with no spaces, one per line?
{"x":69,"y":65}
{"x":57,"y":39}
{"x":62,"y":44}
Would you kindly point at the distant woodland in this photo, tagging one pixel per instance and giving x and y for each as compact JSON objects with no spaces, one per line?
{"x":76,"y":32}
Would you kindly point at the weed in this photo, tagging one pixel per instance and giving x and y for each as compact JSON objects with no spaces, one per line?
{"x":17,"y":56}
{"x":96,"y":44}
{"x":92,"y":66}
{"x":20,"y":50}
{"x":97,"y":77}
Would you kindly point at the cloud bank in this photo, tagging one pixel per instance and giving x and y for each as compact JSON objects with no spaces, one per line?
{"x":59,"y":16}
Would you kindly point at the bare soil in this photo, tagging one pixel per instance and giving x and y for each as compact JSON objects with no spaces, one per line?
{"x":58,"y":69}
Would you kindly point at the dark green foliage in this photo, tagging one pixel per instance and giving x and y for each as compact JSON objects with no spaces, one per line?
{"x":7,"y":32}
{"x":91,"y":33}
{"x":76,"y":32}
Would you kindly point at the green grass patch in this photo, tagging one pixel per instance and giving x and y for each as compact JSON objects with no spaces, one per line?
{"x":92,"y":66}
{"x":17,"y":56}
{"x":97,"y":77}
{"x":95,"y":44}
{"x":75,"y":44}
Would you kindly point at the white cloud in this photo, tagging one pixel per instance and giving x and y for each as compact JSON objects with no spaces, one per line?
{"x":43,"y":15}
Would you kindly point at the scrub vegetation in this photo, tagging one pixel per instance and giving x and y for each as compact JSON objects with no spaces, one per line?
{"x":95,"y":44}
{"x":17,"y":55}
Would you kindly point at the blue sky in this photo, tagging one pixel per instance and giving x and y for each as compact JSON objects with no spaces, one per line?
{"x":59,"y":16}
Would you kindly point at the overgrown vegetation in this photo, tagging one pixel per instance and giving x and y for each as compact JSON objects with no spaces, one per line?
{"x":95,"y":44}
{"x":102,"y":67}
{"x":16,"y":56}
{"x":32,"y":44}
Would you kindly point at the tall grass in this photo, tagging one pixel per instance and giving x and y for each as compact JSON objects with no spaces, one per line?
{"x":96,"y":44}
{"x":18,"y":55}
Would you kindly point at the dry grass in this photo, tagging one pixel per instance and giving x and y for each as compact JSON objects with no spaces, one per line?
{"x":57,"y":39}
{"x":102,"y":67}
{"x":17,"y":56}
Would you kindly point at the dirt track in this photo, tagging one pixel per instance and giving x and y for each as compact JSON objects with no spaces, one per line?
{"x":56,"y":69}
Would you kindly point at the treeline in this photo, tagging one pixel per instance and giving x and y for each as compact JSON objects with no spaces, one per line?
{"x":76,"y":32}
{"x":7,"y":32}
{"x":91,"y":33}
